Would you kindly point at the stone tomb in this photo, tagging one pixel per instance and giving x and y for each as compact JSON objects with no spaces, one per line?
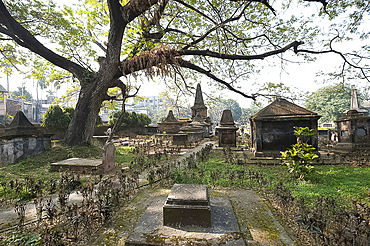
{"x":227,"y":130}
{"x":89,"y":166}
{"x":187,"y":205}
{"x":188,"y":216}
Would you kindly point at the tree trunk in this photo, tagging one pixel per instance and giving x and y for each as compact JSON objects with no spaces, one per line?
{"x":81,"y":128}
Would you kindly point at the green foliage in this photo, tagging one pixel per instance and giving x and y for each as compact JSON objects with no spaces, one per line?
{"x":57,"y":118}
{"x":222,"y":104}
{"x":19,"y":238}
{"x":124,"y":154}
{"x":22,"y":94}
{"x":331,"y":101}
{"x":339,"y":182}
{"x":247,"y":113}
{"x":6,"y":120}
{"x":129,"y":119}
{"x":300,"y":156}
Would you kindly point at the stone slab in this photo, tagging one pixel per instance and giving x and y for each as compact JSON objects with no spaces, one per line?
{"x":78,"y":164}
{"x":189,"y":194}
{"x":187,"y":205}
{"x":224,"y":229}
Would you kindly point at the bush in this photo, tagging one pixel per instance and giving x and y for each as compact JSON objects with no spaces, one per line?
{"x":57,"y":118}
{"x":300,"y":157}
{"x":129,"y":119}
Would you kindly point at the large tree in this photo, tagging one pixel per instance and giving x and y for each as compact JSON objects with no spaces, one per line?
{"x":331,"y":101}
{"x":218,"y":39}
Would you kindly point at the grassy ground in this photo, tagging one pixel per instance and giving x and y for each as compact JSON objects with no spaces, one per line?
{"x":39,"y":166}
{"x":341,"y":182}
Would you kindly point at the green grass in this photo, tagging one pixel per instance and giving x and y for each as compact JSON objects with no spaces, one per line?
{"x":38,"y":167}
{"x":340,"y":182}
{"x":336,"y":181}
{"x":124,"y":154}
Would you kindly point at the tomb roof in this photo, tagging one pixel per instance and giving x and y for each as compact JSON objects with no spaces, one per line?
{"x":20,"y":126}
{"x":280,"y":108}
{"x":2,"y":89}
{"x":170,"y":117}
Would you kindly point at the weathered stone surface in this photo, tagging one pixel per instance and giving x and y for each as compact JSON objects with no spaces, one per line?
{"x":2,"y":129}
{"x":227,"y":130}
{"x":189,"y":194}
{"x":109,"y":157}
{"x":16,"y":149}
{"x":272,"y":127}
{"x":224,"y":229}
{"x":170,"y":124}
{"x":353,"y":130}
{"x":199,"y":107}
{"x":227,"y":118}
{"x":78,"y":165}
{"x":187,"y":205}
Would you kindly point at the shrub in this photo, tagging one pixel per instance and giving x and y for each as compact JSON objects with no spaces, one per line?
{"x":129,"y":119}
{"x":300,"y":157}
{"x":57,"y":118}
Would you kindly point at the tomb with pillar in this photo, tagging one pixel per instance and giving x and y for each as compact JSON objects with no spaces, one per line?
{"x":353,"y":128}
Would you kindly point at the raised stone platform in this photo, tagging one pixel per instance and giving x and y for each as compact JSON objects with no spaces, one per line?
{"x":187,"y":205}
{"x":224,"y":229}
{"x":80,"y":165}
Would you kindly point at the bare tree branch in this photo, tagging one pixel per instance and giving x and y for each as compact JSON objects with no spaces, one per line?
{"x":189,"y":65}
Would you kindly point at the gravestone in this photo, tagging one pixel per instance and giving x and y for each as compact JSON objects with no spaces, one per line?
{"x":2,"y":129}
{"x":187,"y":205}
{"x":109,"y":157}
{"x":227,"y":130}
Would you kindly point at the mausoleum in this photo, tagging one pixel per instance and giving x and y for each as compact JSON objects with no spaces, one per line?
{"x":272,"y":127}
{"x":353,"y":128}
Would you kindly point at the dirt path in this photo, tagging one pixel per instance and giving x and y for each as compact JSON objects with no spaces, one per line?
{"x":254,"y":215}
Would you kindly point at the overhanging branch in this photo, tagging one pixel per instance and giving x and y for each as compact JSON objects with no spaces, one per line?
{"x":262,"y":56}
{"x":189,"y":65}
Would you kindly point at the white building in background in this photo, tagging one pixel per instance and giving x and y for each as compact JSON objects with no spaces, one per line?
{"x":150,"y":101}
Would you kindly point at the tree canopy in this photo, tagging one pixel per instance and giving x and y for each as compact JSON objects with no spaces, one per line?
{"x":104,"y":42}
{"x":21,"y":93}
{"x":331,"y":101}
{"x":217,"y":109}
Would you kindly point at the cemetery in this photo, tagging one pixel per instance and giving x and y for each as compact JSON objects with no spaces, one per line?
{"x":184,"y":123}
{"x":187,"y":187}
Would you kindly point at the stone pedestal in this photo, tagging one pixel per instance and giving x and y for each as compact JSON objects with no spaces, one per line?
{"x":227,"y":130}
{"x":187,"y":205}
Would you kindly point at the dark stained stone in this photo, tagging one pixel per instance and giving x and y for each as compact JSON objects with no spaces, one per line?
{"x":187,"y":205}
{"x":272,"y":127}
{"x":227,"y":118}
{"x":198,"y":96}
{"x":199,"y":106}
{"x":170,"y":117}
{"x":224,"y":229}
{"x":227,"y":130}
{"x":21,"y":127}
{"x":2,"y":129}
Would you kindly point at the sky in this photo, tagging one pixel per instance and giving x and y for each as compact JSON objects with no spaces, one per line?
{"x":301,"y":76}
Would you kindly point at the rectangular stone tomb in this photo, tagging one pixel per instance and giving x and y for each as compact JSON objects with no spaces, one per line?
{"x":79,"y":165}
{"x":187,"y":205}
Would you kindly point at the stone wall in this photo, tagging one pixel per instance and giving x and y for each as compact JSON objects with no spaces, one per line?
{"x":17,"y":149}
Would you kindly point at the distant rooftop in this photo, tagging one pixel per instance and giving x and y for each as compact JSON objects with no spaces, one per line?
{"x":2,"y":89}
